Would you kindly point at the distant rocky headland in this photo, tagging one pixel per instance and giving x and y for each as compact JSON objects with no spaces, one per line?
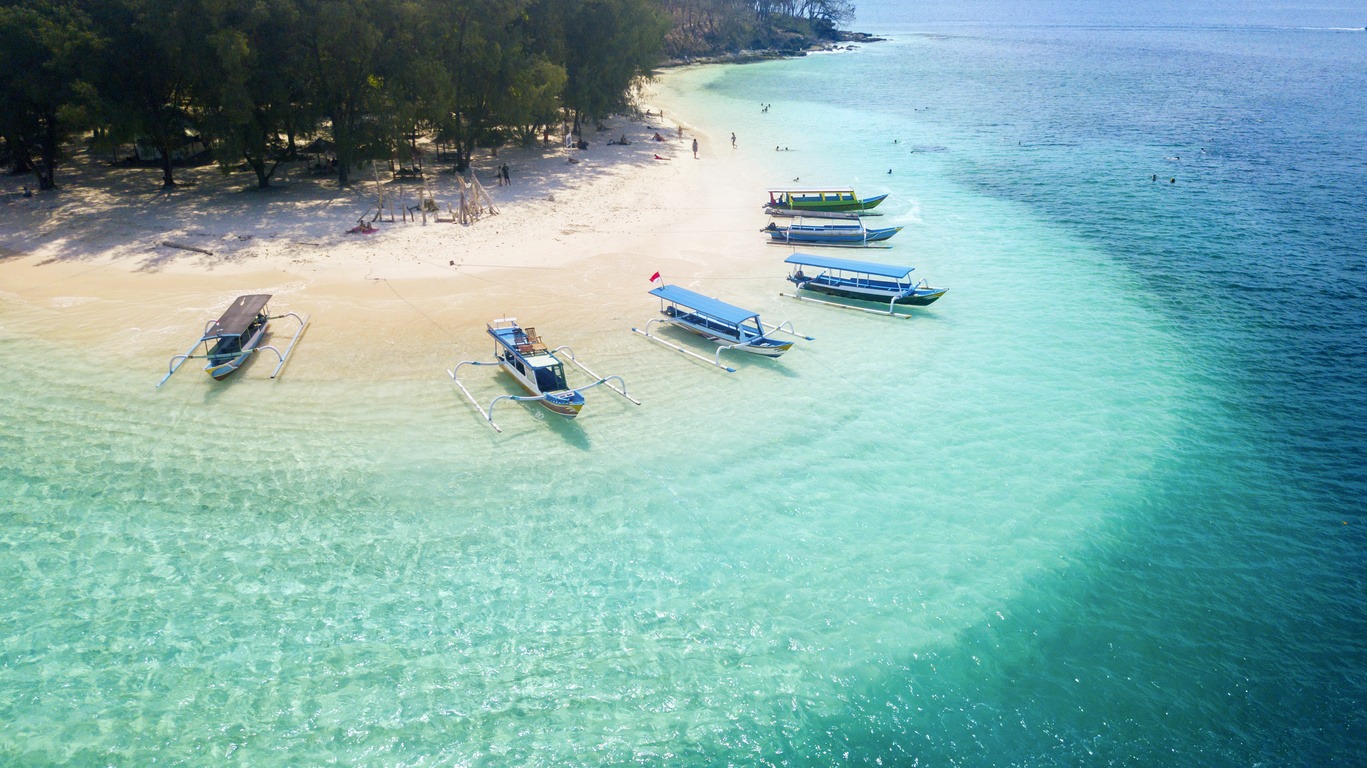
{"x":740,"y":31}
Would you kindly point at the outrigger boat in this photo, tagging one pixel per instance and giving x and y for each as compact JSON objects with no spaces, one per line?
{"x":823,"y":199}
{"x":539,"y":370}
{"x":859,"y":280}
{"x":846,"y":234}
{"x":231,"y":339}
{"x":731,"y":327}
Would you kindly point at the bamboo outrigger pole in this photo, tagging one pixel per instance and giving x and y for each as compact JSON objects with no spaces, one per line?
{"x":717,"y":362}
{"x":622,"y":390}
{"x":871,"y":311}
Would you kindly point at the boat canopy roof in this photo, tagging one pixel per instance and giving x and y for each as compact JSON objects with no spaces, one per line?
{"x":849,"y":265}
{"x":239,"y":317}
{"x":811,"y":190}
{"x":727,"y":313}
{"x":542,"y":360}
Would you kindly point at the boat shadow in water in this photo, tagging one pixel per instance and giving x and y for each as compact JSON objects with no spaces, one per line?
{"x":569,"y":430}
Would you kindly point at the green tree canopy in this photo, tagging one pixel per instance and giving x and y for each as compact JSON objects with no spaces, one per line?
{"x":44,"y":47}
{"x":251,"y":76}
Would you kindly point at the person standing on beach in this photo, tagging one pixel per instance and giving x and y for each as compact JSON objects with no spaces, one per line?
{"x":507,"y":180}
{"x":695,"y":149}
{"x":733,"y":139}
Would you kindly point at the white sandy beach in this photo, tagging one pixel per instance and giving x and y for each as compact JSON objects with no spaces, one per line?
{"x":572,"y":247}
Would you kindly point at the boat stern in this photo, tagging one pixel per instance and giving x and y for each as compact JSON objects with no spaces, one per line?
{"x":870,"y":203}
{"x":923,"y":296}
{"x":220,"y":371}
{"x":767,"y":347}
{"x":567,"y":404}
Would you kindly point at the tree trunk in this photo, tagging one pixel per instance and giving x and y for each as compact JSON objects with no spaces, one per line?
{"x":256,"y":151}
{"x":168,"y":179}
{"x":163,"y":145}
{"x":47,"y":166}
{"x":263,"y":176}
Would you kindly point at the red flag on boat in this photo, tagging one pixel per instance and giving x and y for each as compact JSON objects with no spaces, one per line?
{"x":655,"y":277}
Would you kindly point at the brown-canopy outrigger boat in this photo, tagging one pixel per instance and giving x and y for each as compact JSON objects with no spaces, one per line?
{"x":231,"y":339}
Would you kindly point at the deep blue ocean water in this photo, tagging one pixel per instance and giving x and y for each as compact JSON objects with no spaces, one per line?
{"x":1102,"y":504}
{"x":1227,"y":624}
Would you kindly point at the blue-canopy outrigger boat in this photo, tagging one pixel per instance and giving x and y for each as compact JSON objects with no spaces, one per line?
{"x":859,"y":280}
{"x":731,"y":327}
{"x":540,"y":371}
{"x":235,"y":336}
{"x":835,"y":234}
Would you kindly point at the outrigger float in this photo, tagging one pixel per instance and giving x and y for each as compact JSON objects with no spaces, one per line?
{"x":231,"y":339}
{"x":861,"y":281}
{"x":820,"y":199}
{"x":829,"y":234}
{"x":731,"y":327}
{"x":539,"y":370}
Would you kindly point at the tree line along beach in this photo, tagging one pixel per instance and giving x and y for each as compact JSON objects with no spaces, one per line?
{"x":141,"y":166}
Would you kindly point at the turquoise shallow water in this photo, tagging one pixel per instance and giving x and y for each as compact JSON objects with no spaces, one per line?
{"x":1099,"y":504}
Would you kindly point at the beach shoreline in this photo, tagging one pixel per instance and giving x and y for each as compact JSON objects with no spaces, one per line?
{"x":572,"y":244}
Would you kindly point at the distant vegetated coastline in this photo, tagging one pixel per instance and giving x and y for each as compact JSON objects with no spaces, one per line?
{"x":741,"y":30}
{"x":261,"y":83}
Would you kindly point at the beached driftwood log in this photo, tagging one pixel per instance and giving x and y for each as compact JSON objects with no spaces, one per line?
{"x":184,"y":247}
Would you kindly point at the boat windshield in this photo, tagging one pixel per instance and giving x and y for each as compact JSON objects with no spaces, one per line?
{"x":551,"y":378}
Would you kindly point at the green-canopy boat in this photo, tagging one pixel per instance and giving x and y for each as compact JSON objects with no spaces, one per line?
{"x":830,"y":199}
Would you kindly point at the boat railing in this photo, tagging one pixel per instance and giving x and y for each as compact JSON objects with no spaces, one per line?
{"x":645,"y":331}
